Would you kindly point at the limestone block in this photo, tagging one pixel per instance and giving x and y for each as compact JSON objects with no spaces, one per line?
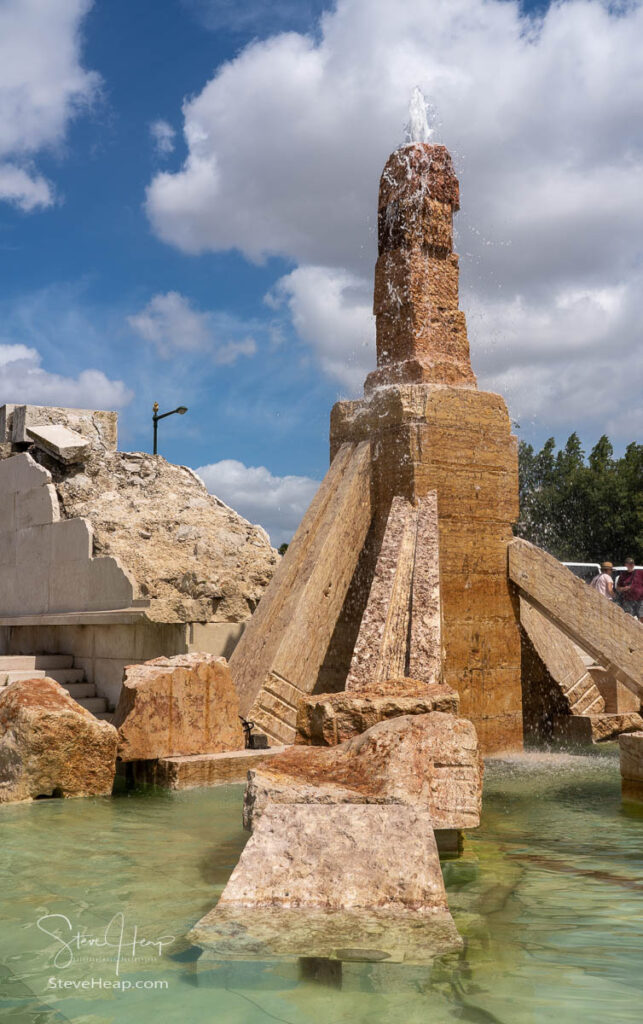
{"x":425,"y":644}
{"x":69,"y":585}
{"x":197,"y":770}
{"x":6,"y":423}
{"x":109,"y":585}
{"x":425,"y":761}
{"x":598,"y":626}
{"x":327,"y":719}
{"x":7,"y":510}
{"x":618,"y":698}
{"x":181,"y":705}
{"x":99,"y":427}
{"x":63,"y":444}
{"x":50,"y":745}
{"x":21,"y":473}
{"x":37,"y":507}
{"x":339,"y":857}
{"x":71,"y":541}
{"x":408,"y":276}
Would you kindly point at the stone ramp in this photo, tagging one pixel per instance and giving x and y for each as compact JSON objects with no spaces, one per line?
{"x":600,"y":627}
{"x":280,"y":653}
{"x":562,"y":662}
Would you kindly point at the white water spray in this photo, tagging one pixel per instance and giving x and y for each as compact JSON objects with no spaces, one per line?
{"x":417,"y":127}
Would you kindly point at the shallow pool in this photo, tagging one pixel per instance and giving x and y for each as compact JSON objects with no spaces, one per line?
{"x":548,"y":896}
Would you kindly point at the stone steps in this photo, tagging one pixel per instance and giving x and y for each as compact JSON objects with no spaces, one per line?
{"x":21,"y":662}
{"x":17,"y":667}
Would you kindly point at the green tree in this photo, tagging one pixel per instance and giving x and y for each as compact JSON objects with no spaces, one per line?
{"x":582,"y":509}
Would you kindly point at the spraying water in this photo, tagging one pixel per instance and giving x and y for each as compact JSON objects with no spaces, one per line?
{"x":417,"y":128}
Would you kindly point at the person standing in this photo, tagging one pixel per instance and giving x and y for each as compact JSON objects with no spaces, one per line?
{"x":629,"y":587}
{"x":603,"y":582}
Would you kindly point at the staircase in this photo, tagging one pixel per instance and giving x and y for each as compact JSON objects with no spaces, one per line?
{"x":60,"y":667}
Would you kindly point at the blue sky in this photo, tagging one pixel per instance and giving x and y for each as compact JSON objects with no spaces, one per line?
{"x":187,"y":205}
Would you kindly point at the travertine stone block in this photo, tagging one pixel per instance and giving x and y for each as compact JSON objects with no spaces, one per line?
{"x":98,"y":427}
{"x":339,"y":857}
{"x":631,"y":754}
{"x":181,"y":705}
{"x":327,"y":719}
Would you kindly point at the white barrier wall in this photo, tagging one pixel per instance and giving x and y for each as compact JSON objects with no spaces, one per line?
{"x":46,"y":563}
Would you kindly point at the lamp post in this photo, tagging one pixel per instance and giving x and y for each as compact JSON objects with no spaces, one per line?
{"x":182,"y":409}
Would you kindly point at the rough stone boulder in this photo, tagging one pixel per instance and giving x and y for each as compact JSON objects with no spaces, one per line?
{"x":50,"y":745}
{"x":430,"y":762}
{"x":190,"y":555}
{"x":175,"y":706}
{"x":326,"y":719}
{"x":631,"y":750}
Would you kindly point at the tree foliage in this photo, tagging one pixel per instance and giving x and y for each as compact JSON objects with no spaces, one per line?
{"x":578,"y":509}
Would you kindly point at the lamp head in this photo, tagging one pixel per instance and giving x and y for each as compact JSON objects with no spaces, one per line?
{"x":182,"y":409}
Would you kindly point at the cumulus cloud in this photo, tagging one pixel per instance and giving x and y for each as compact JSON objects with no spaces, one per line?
{"x":42,"y":87}
{"x":171,"y":323}
{"x":331,"y":311}
{"x":24,"y":381}
{"x":162,"y":134}
{"x":286,"y":143}
{"x":277,"y":503}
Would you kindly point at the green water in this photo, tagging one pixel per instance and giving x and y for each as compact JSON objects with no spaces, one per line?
{"x":548,"y":896}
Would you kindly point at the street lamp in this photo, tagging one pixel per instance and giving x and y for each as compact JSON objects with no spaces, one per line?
{"x":182,"y":409}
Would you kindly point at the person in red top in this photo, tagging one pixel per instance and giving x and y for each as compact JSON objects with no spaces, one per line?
{"x":630,"y":588}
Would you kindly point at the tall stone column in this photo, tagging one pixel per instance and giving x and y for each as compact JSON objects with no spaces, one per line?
{"x":432,"y":430}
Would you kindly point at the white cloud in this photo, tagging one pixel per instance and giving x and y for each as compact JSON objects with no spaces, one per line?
{"x":42,"y":87}
{"x":277,"y":503}
{"x":169,"y":322}
{"x":331,"y":312}
{"x":25,"y":382}
{"x":287,"y":141}
{"x":162,"y":134}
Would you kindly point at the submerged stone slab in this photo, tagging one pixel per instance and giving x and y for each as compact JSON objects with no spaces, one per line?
{"x":278,"y":933}
{"x":65,"y":445}
{"x":339,"y":858}
{"x":194,"y":770}
{"x":424,"y":761}
{"x":50,"y":745}
{"x":181,"y":705}
{"x":326,"y":719}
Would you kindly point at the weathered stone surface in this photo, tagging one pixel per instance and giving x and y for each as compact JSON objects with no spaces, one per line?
{"x":426,"y":761}
{"x":50,"y":745}
{"x":585,"y":729}
{"x":66,"y":445}
{"x":327,"y":719}
{"x":280,"y":654}
{"x":618,"y":698}
{"x":420,"y":332}
{"x":425,"y":643}
{"x":339,"y":858}
{"x":193,"y":558}
{"x":98,"y":426}
{"x":599,"y":626}
{"x":181,"y":705}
